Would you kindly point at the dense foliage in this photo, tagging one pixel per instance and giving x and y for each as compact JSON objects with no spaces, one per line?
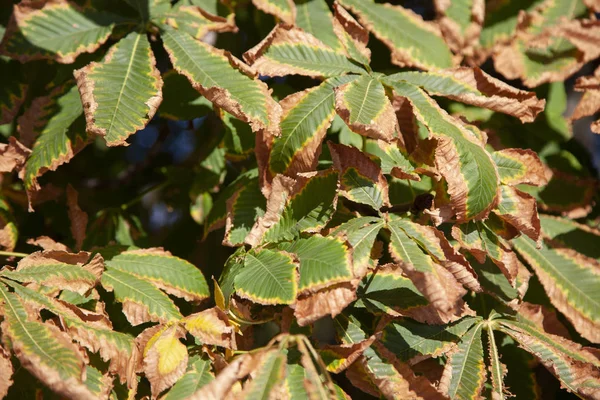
{"x":381,"y":214}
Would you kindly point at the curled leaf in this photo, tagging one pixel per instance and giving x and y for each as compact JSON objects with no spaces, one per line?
{"x":13,"y":155}
{"x":331,"y":301}
{"x":211,"y":327}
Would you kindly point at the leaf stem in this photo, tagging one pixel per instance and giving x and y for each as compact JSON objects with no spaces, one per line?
{"x":12,"y":254}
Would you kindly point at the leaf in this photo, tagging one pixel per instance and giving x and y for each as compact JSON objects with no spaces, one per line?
{"x":13,"y":90}
{"x":291,"y":51}
{"x":141,"y":300}
{"x":121,"y":94}
{"x":324,"y":261}
{"x":284,"y":10}
{"x":494,"y":282}
{"x":464,"y":374}
{"x":196,"y":377}
{"x":364,"y":106}
{"x":211,"y":327}
{"x":314,"y":17}
{"x":197,"y":22}
{"x":99,"y":385}
{"x":13,"y":155}
{"x":171,"y":274}
{"x":165,"y":357}
{"x":352,"y":35}
{"x":360,"y":233}
{"x":243,"y":209}
{"x":57,"y":269}
{"x":589,"y":104}
{"x":292,"y":207}
{"x":520,"y":210}
{"x":394,"y":159}
{"x":77,"y":216}
{"x":270,"y":374}
{"x":180,"y":100}
{"x":222,"y":79}
{"x":338,"y":358}
{"x":9,"y":233}
{"x":361,"y":180}
{"x":412,"y":41}
{"x":475,"y":87}
{"x":576,"y":368}
{"x":90,"y":330}
{"x":268,"y":277}
{"x":570,"y":280}
{"x":331,"y":300}
{"x":7,"y":372}
{"x":52,"y":119}
{"x":497,"y":369}
{"x":149,"y":9}
{"x":470,"y":172}
{"x":306,"y":117}
{"x":501,"y":21}
{"x":460,"y":23}
{"x":43,"y":350}
{"x":570,"y":234}
{"x":520,"y":166}
{"x":56,"y":30}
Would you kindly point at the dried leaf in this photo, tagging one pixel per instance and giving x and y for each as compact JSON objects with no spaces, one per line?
{"x":589,"y":104}
{"x":6,"y":372}
{"x":211,"y":327}
{"x":460,"y":23}
{"x":78,"y":217}
{"x":520,"y":210}
{"x":339,"y":357}
{"x":520,"y":166}
{"x":47,"y":243}
{"x":13,"y":155}
{"x":284,"y":10}
{"x":352,"y":35}
{"x":331,"y":300}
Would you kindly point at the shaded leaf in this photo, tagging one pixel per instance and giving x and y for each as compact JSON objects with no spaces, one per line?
{"x":284,"y":10}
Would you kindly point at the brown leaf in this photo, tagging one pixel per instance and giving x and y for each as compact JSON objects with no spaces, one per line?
{"x":271,"y":7}
{"x":497,"y":95}
{"x":165,"y":357}
{"x":217,"y":23}
{"x":383,"y":127}
{"x":525,"y":218}
{"x":348,"y":157}
{"x":221,"y":387}
{"x":594,"y":5}
{"x":331,"y":300}
{"x":589,"y":104}
{"x":6,"y":372}
{"x":462,"y":42}
{"x":347,"y":28}
{"x":13,"y":155}
{"x":282,"y":34}
{"x":77,"y":216}
{"x":47,"y":243}
{"x":544,"y":318}
{"x":211,"y":327}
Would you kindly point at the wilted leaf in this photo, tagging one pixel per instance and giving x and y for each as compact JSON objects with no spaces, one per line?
{"x":331,"y":300}
{"x":211,"y":327}
{"x":306,"y":117}
{"x":197,"y":22}
{"x":570,"y":280}
{"x":268,"y":378}
{"x":6,"y":372}
{"x":284,"y":10}
{"x":171,"y":274}
{"x":339,"y":357}
{"x":361,"y":233}
{"x":13,"y":155}
{"x":589,"y":104}
{"x":222,"y":79}
{"x":412,"y":41}
{"x":292,"y":207}
{"x":361,"y":180}
{"x":55,"y":29}
{"x":78,"y":217}
{"x":198,"y":375}
{"x":520,"y":210}
{"x":352,"y":35}
{"x":475,"y":87}
{"x":471,"y":175}
{"x":364,"y":106}
{"x":287,"y":50}
{"x":520,"y":166}
{"x":121,"y":94}
{"x":460,"y":22}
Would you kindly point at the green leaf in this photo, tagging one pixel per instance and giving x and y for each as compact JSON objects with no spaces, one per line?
{"x":142,"y":301}
{"x":53,"y":120}
{"x":306,"y":118}
{"x":42,"y":349}
{"x":412,"y":41}
{"x":408,"y":339}
{"x":198,"y":375}
{"x":99,"y":385}
{"x":180,"y":100}
{"x":323,"y":261}
{"x":497,"y":369}
{"x":172,"y":274}
{"x":56,"y":30}
{"x":494,"y":282}
{"x":570,"y":280}
{"x":501,"y":20}
{"x":470,"y":172}
{"x":243,"y":209}
{"x":289,"y":51}
{"x":314,"y":17}
{"x":284,"y":10}
{"x":361,"y":233}
{"x":464,"y":374}
{"x":364,"y":106}
{"x":222,"y":79}
{"x":148,"y":9}
{"x":394,"y":159}
{"x":292,"y":207}
{"x":268,"y":277}
{"x":197,"y":22}
{"x":567,"y":233}
{"x":270,"y":374}
{"x":122,"y":93}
